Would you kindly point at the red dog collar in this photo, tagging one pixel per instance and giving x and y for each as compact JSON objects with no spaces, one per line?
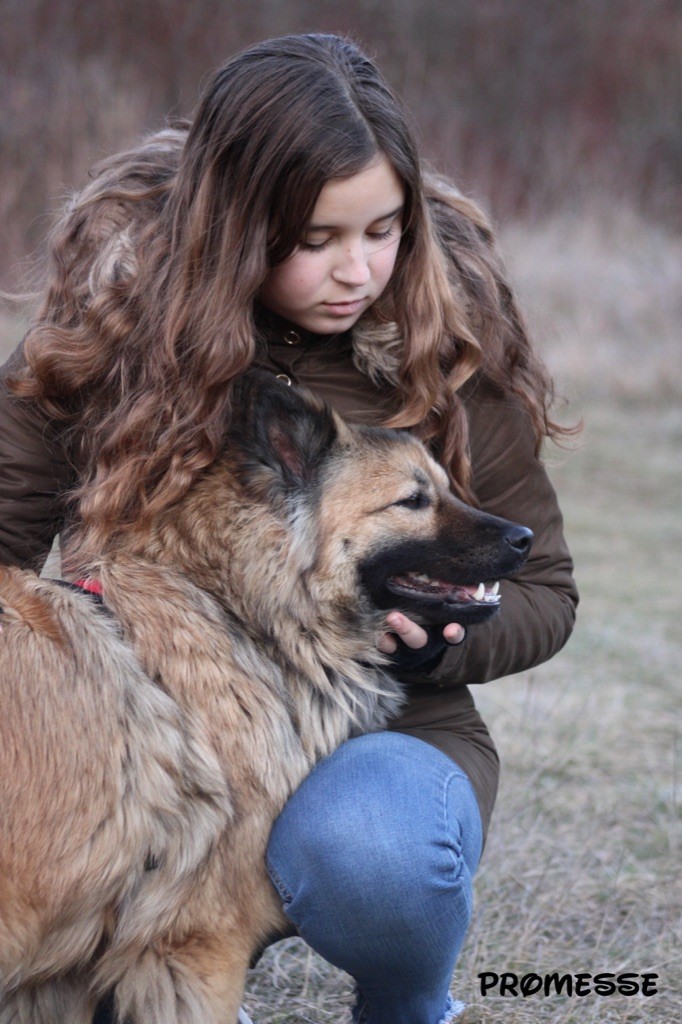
{"x":91,"y":586}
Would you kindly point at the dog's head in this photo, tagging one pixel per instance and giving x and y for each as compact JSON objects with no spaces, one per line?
{"x":372,"y":509}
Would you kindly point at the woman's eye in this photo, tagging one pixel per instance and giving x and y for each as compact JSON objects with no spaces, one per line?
{"x":308,"y":245}
{"x":415,"y":501}
{"x":314,"y":246}
{"x":379,"y":236}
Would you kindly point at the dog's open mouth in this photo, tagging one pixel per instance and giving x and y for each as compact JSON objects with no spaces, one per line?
{"x":425,"y":588}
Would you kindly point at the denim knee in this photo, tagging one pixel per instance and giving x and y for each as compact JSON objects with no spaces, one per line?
{"x":381,"y":839}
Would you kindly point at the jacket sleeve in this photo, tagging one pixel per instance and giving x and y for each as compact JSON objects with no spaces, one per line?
{"x":538,"y":604}
{"x":35,"y":473}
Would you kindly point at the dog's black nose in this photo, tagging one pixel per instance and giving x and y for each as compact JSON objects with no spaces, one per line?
{"x":519,"y":538}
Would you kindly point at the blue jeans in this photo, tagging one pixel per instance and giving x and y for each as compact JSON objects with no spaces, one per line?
{"x":373,"y":857}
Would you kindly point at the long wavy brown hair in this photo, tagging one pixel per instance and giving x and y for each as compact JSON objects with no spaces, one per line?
{"x":155,"y":267}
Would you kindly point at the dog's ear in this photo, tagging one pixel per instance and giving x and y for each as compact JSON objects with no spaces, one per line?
{"x":284,"y":429}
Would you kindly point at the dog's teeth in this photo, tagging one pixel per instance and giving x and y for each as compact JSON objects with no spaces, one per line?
{"x":480,"y":593}
{"x":495,"y":589}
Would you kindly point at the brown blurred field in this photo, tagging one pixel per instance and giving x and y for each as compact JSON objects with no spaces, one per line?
{"x":566,"y":119}
{"x":533,"y":105}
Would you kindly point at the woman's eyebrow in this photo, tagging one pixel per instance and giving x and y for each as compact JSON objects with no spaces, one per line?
{"x":383,"y":216}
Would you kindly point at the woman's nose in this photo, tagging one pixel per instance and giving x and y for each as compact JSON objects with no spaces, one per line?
{"x":352,"y":266}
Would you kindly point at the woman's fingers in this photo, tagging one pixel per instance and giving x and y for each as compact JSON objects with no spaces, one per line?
{"x":454,"y":633}
{"x":409,"y":632}
{"x":412,"y":634}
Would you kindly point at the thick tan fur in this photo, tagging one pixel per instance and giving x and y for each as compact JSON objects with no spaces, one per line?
{"x":146,"y":748}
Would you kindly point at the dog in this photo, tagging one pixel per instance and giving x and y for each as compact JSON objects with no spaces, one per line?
{"x":147,"y":746}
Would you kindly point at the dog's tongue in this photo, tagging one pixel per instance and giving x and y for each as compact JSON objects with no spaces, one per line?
{"x":423,"y":584}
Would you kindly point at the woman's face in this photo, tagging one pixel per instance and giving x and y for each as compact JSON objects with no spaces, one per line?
{"x":347,"y":256}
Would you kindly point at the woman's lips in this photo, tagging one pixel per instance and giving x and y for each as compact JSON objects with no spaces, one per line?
{"x":343,"y":308}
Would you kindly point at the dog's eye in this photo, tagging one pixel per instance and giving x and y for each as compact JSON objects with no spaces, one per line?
{"x":417,"y":500}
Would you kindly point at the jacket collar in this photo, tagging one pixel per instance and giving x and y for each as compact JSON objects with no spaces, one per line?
{"x":276,"y":330}
{"x":376,"y":348}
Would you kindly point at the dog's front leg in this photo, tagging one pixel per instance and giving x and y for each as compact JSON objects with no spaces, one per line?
{"x":198,"y":982}
{"x":54,"y":1002}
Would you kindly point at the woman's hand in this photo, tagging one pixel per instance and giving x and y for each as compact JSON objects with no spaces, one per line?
{"x":412,"y":634}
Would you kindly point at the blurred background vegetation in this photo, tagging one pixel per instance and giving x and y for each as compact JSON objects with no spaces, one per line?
{"x":532,"y":104}
{"x":564,"y":120}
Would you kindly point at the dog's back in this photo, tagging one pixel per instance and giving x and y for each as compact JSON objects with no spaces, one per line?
{"x":109,"y":800}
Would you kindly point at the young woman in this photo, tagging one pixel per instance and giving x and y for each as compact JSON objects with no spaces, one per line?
{"x":293,"y":226}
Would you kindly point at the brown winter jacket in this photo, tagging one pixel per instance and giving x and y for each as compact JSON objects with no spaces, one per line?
{"x":538,"y":605}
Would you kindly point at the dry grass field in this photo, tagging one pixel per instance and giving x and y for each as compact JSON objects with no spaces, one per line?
{"x":581,"y":872}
